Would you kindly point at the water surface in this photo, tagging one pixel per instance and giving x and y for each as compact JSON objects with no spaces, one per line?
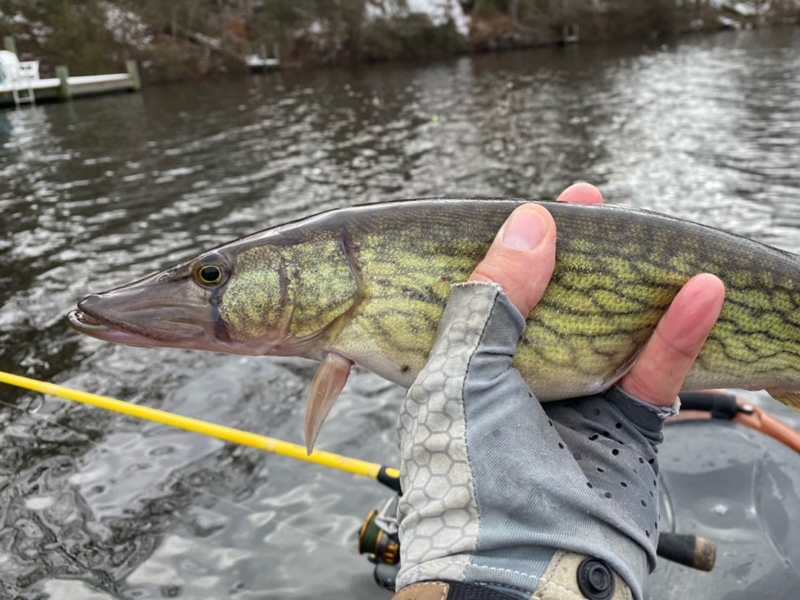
{"x":99,"y":192}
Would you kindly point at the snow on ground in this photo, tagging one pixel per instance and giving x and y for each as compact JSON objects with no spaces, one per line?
{"x":41,"y":31}
{"x":127,"y":27}
{"x":441,"y":11}
{"x":38,"y":30}
{"x":745,"y":9}
{"x":438,"y":11}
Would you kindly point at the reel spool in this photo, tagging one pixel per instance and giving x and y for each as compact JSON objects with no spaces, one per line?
{"x":378,"y":538}
{"x":378,"y":535}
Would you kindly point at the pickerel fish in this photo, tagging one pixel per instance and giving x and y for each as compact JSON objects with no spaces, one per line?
{"x":367,"y":285}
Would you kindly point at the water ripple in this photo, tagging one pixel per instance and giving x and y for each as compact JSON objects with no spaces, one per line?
{"x":102,"y":191}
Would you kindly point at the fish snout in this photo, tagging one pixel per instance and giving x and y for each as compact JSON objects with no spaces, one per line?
{"x":89,"y":304}
{"x":150,"y":312}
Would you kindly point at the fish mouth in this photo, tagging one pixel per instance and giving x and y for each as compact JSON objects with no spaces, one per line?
{"x":96,"y":327}
{"x":85,"y":323}
{"x":122,"y":316}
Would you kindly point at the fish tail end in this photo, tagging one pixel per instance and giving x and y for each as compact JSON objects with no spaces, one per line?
{"x":789,"y":398}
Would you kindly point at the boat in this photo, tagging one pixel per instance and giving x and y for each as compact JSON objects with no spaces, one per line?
{"x":257,"y":63}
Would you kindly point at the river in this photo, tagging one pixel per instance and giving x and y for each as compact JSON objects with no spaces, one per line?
{"x":99,"y":192}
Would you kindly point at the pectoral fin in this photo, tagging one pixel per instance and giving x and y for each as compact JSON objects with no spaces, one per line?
{"x":788,"y":398}
{"x":325,"y":389}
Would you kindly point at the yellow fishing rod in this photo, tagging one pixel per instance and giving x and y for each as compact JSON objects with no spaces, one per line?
{"x":388,"y":476}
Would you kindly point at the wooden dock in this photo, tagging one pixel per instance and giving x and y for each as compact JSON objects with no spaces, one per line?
{"x":64,"y":87}
{"x":570,"y":34}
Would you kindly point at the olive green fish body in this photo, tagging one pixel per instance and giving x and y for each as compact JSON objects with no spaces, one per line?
{"x":370,"y":284}
{"x":617,"y":272}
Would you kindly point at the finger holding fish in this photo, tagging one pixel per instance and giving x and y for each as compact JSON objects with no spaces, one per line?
{"x":661,"y":369}
{"x":581,"y":193}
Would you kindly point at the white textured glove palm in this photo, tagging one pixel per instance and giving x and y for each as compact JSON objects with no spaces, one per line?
{"x":494,"y":483}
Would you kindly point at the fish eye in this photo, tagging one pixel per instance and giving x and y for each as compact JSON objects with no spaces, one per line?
{"x":209,"y":274}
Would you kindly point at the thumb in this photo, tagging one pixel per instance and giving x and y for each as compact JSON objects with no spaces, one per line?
{"x":522,"y":257}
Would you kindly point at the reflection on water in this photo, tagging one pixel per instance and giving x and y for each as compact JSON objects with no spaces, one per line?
{"x":99,"y":192}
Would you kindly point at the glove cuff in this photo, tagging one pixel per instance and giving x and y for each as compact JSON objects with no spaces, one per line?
{"x":569,"y":576}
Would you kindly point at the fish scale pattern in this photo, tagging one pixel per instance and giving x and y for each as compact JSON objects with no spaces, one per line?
{"x":439,"y":509}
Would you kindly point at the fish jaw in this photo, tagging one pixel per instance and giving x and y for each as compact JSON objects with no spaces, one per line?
{"x":85,"y":323}
{"x":164,"y":310}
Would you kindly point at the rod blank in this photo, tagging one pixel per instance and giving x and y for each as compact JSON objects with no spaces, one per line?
{"x":229,"y":434}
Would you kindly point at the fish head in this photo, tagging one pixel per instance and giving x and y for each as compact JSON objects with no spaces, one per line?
{"x":245,"y":297}
{"x":182,"y":307}
{"x":176,"y":308}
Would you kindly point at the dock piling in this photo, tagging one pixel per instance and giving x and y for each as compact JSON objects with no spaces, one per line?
{"x":570,"y":34}
{"x":133,"y":71}
{"x":10,"y":44}
{"x":63,"y":75}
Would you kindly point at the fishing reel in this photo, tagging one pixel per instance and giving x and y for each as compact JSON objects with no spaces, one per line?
{"x":378,"y":539}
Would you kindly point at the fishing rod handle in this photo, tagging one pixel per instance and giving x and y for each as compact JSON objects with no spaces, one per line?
{"x":688,"y":550}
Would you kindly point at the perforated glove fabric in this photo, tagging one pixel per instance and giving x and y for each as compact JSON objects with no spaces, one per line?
{"x":496,"y":483}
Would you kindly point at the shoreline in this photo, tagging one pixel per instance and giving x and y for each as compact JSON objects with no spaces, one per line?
{"x":166,"y":53}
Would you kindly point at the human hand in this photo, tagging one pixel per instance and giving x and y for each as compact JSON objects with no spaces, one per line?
{"x":503,"y":491}
{"x":660,"y":370}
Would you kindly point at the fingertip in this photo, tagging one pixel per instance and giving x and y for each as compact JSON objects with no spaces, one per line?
{"x":530,"y":216}
{"x":693,"y":312}
{"x":522,"y":270}
{"x":581,"y":193}
{"x":711,"y":284}
{"x":526,"y":228}
{"x":706,"y":293}
{"x":544,"y":214}
{"x":549,"y":233}
{"x":666,"y":360}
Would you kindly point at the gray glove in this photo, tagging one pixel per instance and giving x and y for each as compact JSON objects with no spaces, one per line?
{"x":495,"y":484}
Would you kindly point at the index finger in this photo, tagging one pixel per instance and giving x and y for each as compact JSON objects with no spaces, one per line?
{"x":581,"y":193}
{"x":667,"y":358}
